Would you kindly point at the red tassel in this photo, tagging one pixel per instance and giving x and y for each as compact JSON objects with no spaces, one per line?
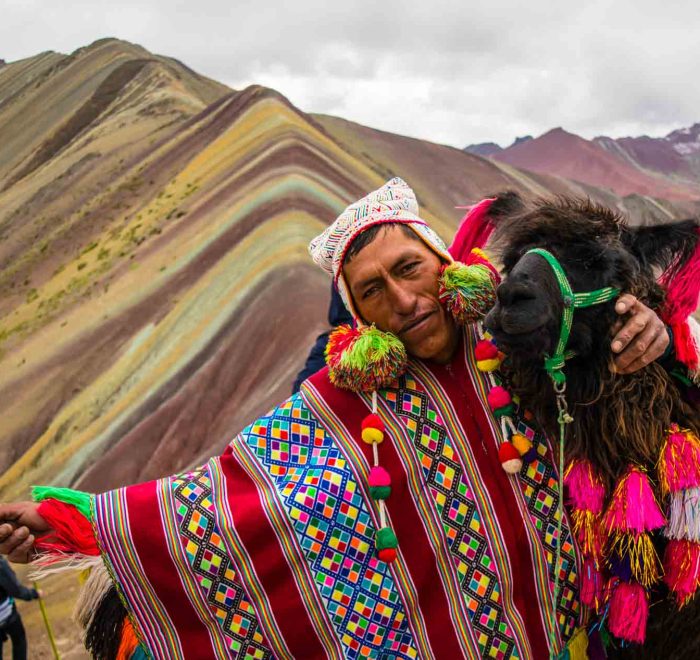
{"x":629,"y":611}
{"x":473,"y":231}
{"x":682,"y":569}
{"x":72,"y":532}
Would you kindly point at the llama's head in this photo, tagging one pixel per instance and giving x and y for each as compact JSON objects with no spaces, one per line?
{"x":596,"y":248}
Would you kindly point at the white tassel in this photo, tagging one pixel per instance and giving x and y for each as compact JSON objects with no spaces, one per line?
{"x":684,"y":516}
{"x":99,"y":582}
{"x":51,"y":563}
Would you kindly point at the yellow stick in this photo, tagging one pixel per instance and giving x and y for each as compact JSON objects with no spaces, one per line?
{"x":42,"y":607}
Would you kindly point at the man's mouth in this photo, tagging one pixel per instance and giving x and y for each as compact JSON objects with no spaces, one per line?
{"x":416,"y":323}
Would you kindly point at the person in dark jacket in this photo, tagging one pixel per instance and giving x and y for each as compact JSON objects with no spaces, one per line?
{"x":10,"y":621}
{"x":337,"y":315}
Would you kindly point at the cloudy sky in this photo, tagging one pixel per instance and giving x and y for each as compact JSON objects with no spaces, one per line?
{"x":454,"y":72}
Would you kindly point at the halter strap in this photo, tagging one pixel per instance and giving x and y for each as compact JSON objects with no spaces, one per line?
{"x":554,"y":364}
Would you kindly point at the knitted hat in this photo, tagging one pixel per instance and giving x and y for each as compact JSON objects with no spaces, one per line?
{"x":394,"y":202}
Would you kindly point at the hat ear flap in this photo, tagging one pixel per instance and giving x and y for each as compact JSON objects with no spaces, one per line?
{"x":364,"y":358}
{"x":468,"y":290}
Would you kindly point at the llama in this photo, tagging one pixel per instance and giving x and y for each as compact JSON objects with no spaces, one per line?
{"x":621,"y":438}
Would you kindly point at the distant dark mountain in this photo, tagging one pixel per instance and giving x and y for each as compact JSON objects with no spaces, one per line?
{"x":520,"y":140}
{"x":484,"y":149}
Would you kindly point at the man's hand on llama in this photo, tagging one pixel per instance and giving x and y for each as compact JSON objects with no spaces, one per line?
{"x":640,"y":338}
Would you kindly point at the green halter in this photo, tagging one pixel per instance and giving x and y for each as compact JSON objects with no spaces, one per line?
{"x":554,"y":364}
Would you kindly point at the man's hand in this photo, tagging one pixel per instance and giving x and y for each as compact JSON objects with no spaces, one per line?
{"x":20,"y":523}
{"x":641,"y":340}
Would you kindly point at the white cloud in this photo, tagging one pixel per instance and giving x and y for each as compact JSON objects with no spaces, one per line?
{"x":454,"y":72}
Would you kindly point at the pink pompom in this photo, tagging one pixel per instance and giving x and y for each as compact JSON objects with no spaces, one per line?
{"x":592,"y":585}
{"x":378,"y":476}
{"x":485,"y":350}
{"x":633,"y":507}
{"x":629,"y":611}
{"x":585,"y":488}
{"x":499,"y":397}
{"x":679,"y":462}
{"x":682,"y":568}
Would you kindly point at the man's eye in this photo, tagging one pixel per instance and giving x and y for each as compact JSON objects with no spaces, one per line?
{"x":369,"y":292}
{"x":410,"y":267}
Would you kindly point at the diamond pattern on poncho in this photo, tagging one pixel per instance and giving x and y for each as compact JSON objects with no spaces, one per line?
{"x":462,"y":525}
{"x":205,"y":550}
{"x":334,"y":529}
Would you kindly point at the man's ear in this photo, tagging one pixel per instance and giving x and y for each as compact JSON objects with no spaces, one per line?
{"x":666,"y":247}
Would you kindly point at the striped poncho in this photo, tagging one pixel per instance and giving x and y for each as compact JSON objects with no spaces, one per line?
{"x":269,"y":550}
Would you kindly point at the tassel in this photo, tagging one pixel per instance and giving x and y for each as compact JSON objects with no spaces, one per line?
{"x":584,"y":486}
{"x":589,"y":533}
{"x":474,"y":229}
{"x":679,"y":461}
{"x":79,"y":499}
{"x":682,"y":569}
{"x":364,"y":359}
{"x":467,"y":291}
{"x":639,"y":553}
{"x":96,"y":587}
{"x":684,"y":516}
{"x":72,"y":531}
{"x":103,"y":637}
{"x":629,"y":611}
{"x":592,"y":585}
{"x":633,"y":507}
{"x":578,"y":645}
{"x":128,"y":642}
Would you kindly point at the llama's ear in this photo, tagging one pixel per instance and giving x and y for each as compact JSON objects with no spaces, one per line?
{"x":505,"y":204}
{"x":663,"y":246}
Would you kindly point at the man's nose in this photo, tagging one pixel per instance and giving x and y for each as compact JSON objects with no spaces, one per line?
{"x":403,"y":300}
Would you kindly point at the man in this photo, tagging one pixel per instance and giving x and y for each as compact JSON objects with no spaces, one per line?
{"x":370,"y":518}
{"x":10,"y":621}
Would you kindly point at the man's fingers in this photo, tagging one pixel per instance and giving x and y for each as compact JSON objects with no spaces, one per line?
{"x":657,"y":349}
{"x":625,"y":303}
{"x":16,"y":538}
{"x":23,"y":553}
{"x":630,"y":330}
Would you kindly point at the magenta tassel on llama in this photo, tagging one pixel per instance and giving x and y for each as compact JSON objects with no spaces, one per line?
{"x":633,"y":507}
{"x":585,"y":489}
{"x":629,"y":611}
{"x":679,"y":461}
{"x":682,"y":569}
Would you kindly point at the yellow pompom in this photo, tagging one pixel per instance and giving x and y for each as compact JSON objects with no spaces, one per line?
{"x":521,"y":443}
{"x":488,"y":365}
{"x":371,"y":436}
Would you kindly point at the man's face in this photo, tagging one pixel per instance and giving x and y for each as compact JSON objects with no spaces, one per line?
{"x":394,"y":283}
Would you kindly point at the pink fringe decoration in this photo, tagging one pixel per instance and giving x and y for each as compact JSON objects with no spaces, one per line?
{"x":633,"y":507}
{"x":682,"y":569}
{"x":629,"y":611}
{"x":679,"y":462}
{"x":473,"y":231}
{"x":592,"y":585}
{"x":585,"y":489}
{"x":682,"y":292}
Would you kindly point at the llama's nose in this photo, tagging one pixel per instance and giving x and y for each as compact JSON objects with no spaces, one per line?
{"x":515,"y":290}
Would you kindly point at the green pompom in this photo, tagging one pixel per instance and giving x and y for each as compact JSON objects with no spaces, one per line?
{"x":468,"y":291}
{"x":504,"y":411}
{"x":385,"y":538}
{"x":380,"y":492}
{"x":364,"y":359}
